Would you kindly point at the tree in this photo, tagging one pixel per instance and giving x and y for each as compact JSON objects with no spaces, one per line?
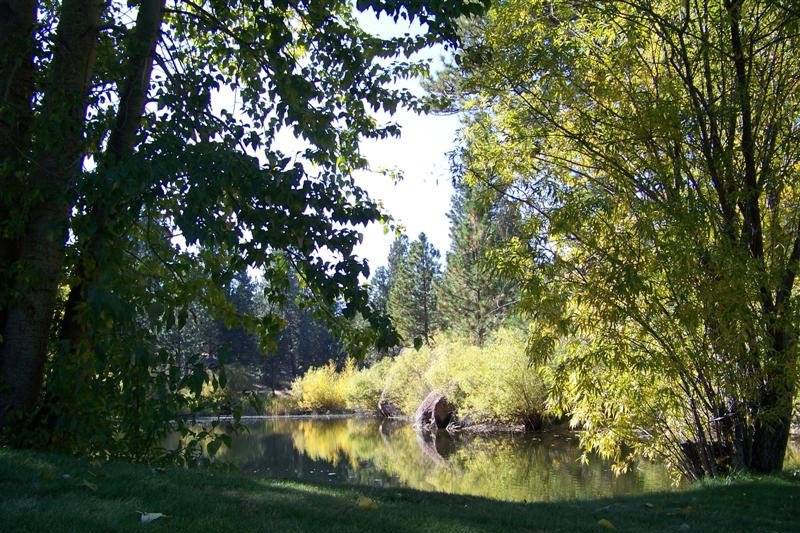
{"x":379,"y":287}
{"x":654,"y":147}
{"x":382,"y":280}
{"x":233,"y":340}
{"x":474,"y":297}
{"x":305,"y":340}
{"x":139,"y":174}
{"x":412,"y":298}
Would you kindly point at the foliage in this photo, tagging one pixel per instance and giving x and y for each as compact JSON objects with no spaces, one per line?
{"x":140,"y":171}
{"x":500,"y":383}
{"x":323,"y":389}
{"x":412,"y":301}
{"x":653,"y":149}
{"x":496,"y":383}
{"x":366,"y":386}
{"x":474,"y":298}
{"x":405,"y":384}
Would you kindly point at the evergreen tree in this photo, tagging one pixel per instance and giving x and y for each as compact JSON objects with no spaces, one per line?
{"x":379,"y":288}
{"x":473,"y":298}
{"x":233,"y":341}
{"x":412,"y":297}
{"x":304,"y":341}
{"x":381,"y":283}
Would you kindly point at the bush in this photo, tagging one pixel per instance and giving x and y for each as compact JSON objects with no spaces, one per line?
{"x":366,"y":386}
{"x":500,"y":384}
{"x":323,"y":388}
{"x":495,"y":383}
{"x":405,"y":385}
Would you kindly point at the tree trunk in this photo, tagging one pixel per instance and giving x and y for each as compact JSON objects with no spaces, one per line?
{"x":772,"y":436}
{"x":776,"y":402}
{"x":17,"y":18}
{"x":58,"y":156}
{"x":133,"y":97}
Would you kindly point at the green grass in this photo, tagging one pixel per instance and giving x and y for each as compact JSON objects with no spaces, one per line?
{"x":45,"y":492}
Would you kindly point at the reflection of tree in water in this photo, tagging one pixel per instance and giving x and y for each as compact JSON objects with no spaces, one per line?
{"x":509,"y":467}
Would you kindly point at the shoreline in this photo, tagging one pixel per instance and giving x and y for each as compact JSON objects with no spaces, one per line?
{"x":455,"y":429}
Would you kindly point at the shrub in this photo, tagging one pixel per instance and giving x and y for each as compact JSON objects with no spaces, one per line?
{"x":501,"y":385}
{"x":366,"y":386}
{"x":405,"y":385}
{"x":494,"y":383}
{"x":323,"y":388}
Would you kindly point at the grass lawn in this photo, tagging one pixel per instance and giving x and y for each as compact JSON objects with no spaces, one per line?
{"x":43,"y":492}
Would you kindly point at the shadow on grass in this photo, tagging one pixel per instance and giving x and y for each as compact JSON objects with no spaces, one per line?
{"x":43,"y":492}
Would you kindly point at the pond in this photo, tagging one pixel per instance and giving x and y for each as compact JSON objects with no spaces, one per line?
{"x":513,"y":467}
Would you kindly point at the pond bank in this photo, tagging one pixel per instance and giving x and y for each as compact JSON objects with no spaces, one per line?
{"x":458,"y":426}
{"x":47,"y":492}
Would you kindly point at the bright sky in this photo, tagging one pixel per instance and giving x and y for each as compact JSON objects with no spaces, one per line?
{"x":420,"y":201}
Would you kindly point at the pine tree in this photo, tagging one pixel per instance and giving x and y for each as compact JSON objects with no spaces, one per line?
{"x":382,"y":280}
{"x":233,"y":341}
{"x":412,"y":297}
{"x":473,"y":299}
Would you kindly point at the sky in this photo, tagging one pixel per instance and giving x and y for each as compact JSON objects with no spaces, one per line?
{"x":419,"y":202}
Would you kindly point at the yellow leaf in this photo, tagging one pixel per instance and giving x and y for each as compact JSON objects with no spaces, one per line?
{"x":366,"y":503}
{"x":606,"y":524}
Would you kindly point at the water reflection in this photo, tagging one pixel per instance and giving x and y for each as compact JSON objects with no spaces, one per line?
{"x":374,"y":452}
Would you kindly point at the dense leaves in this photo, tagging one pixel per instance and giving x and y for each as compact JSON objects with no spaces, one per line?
{"x":142,"y":168}
{"x":475,"y":297}
{"x":653,"y":148}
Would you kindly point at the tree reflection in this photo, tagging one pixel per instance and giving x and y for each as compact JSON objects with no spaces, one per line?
{"x":508,"y":467}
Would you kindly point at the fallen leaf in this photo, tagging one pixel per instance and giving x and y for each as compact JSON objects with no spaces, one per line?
{"x":684,"y":527}
{"x":146,"y":518}
{"x":89,"y":485}
{"x":607,"y":524}
{"x":649,"y":505}
{"x":366,"y":503}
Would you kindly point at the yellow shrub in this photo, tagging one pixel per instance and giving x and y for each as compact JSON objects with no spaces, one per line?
{"x":405,"y":385}
{"x":501,"y":384}
{"x":366,"y":386}
{"x":323,"y":388}
{"x":492,"y":383}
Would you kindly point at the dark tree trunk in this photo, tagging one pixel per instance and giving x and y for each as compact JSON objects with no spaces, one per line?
{"x":123,"y":139}
{"x":769,"y":444}
{"x":772,"y":426}
{"x":58,"y":155}
{"x":17,"y":18}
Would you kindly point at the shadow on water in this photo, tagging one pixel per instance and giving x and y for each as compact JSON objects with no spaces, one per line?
{"x":512,"y":467}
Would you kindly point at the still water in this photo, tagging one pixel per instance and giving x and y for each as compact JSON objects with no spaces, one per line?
{"x":361,"y":451}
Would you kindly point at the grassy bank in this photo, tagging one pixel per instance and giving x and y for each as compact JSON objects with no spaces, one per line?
{"x":42,"y":492}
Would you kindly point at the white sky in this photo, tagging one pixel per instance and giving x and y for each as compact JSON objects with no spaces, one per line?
{"x":420,"y":201}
